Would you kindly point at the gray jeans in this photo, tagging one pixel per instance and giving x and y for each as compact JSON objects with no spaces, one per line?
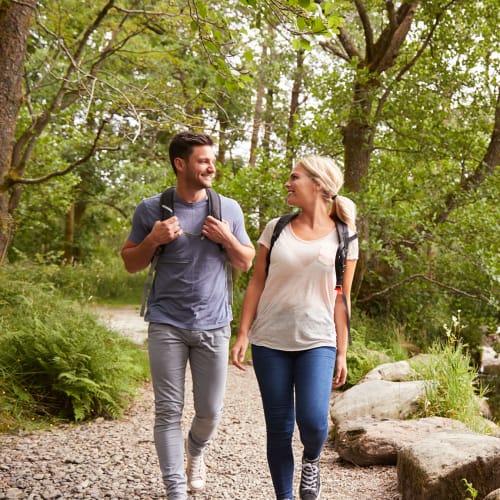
{"x":169,"y":350}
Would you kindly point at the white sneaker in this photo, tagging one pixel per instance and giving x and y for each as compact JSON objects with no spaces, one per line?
{"x":196,"y":472}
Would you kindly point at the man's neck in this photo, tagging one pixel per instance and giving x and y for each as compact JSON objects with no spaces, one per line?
{"x":190,"y":195}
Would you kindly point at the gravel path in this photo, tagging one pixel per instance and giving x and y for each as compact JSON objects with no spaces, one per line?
{"x":117,"y":460}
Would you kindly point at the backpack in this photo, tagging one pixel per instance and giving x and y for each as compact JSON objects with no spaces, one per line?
{"x":167,"y":211}
{"x":340,"y":256}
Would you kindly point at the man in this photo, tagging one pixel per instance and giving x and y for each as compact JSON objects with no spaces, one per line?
{"x":188,"y":309}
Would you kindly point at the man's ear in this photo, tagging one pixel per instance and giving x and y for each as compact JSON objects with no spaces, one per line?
{"x":179,"y":163}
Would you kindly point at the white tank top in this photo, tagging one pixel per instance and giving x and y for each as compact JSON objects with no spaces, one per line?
{"x":295,"y":311}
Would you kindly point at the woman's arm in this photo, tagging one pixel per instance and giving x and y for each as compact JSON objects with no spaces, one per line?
{"x":249,"y":308}
{"x":341,"y":326}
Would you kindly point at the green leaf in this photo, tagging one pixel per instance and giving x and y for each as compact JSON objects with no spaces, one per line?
{"x":301,"y":24}
{"x":301,"y":44}
{"x":318,"y":25}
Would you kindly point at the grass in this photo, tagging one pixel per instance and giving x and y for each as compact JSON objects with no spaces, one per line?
{"x":453,"y":386}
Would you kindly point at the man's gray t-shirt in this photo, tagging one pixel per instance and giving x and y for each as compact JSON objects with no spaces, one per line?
{"x":190,"y":288}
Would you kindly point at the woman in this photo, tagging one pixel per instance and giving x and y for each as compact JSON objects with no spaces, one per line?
{"x":297,"y":323}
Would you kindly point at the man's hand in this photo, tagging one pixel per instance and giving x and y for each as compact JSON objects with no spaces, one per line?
{"x":216,"y":230}
{"x":165,"y":231}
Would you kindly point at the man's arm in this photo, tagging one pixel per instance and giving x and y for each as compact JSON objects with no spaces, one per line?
{"x":137,"y":256}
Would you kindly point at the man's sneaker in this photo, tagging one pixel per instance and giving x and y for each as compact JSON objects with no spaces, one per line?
{"x":196,"y":473}
{"x":310,"y":483}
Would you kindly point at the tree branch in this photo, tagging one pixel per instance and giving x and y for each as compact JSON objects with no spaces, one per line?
{"x":330,"y":47}
{"x":486,"y":166}
{"x":24,"y":4}
{"x":414,"y":277}
{"x":365,"y":21}
{"x":348,"y":44}
{"x":392,"y":37}
{"x":406,"y":68}
{"x":145,"y":12}
{"x":72,"y":166}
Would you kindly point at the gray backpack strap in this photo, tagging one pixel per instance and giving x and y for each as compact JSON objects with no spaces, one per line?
{"x":167,"y":210}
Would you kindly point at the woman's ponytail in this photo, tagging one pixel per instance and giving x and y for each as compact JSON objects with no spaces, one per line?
{"x":345,"y":209}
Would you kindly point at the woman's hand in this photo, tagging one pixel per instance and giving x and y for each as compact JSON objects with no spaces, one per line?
{"x":238,"y":352}
{"x":340,"y":371}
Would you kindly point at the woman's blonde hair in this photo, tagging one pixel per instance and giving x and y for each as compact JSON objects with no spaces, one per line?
{"x":328,"y":175}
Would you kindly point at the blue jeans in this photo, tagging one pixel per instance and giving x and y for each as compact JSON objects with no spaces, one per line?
{"x":170,"y":348}
{"x":285,"y":376}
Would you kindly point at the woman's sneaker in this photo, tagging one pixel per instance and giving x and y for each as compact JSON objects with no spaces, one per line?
{"x":196,"y":472}
{"x":310,"y":483}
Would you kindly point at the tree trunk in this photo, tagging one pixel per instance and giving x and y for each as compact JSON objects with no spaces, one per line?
{"x":294,"y":107}
{"x":257,"y":118}
{"x":259,"y":99}
{"x":69,"y":235}
{"x":15,"y":20}
{"x":358,"y":138}
{"x":379,"y":56}
{"x":268,"y":123}
{"x":222,"y":142}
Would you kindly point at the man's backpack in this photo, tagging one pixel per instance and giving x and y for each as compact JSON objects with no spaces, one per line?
{"x":167,"y":211}
{"x":340,"y":256}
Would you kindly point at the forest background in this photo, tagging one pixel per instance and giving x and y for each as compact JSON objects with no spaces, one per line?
{"x":405,"y":95}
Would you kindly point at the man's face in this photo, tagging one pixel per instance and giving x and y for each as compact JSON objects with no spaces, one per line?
{"x":199,"y":169}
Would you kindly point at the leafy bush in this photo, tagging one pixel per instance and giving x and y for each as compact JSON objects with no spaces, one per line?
{"x":104,"y":279}
{"x":57,"y":360}
{"x":373,"y":342}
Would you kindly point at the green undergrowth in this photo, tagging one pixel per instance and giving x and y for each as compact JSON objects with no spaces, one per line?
{"x":373,"y":342}
{"x":57,"y":362}
{"x":453,"y":389}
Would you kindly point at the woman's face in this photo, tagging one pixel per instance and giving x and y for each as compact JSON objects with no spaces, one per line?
{"x":301,"y":188}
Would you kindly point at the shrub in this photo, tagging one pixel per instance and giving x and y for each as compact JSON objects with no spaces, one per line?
{"x":373,"y":342}
{"x":57,"y":360}
{"x":104,"y":280}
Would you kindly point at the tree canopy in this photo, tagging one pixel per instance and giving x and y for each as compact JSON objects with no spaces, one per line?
{"x":404,"y":94}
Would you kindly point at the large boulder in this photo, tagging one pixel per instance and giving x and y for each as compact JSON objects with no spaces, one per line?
{"x":438,"y":466}
{"x":394,"y":372}
{"x":494,"y":495}
{"x":490,"y":361}
{"x":378,"y":399}
{"x":377,"y":442}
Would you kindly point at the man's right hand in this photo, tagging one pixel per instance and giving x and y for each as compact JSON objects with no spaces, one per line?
{"x":165,"y":231}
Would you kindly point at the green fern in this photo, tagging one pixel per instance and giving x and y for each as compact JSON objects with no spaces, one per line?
{"x":57,"y":359}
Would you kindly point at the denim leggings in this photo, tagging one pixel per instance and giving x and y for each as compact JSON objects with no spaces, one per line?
{"x":280,"y":374}
{"x":169,"y":350}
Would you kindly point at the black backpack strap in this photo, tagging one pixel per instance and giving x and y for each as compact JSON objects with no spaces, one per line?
{"x":167,"y":203}
{"x":341,"y":255}
{"x":340,"y":262}
{"x":215,"y":210}
{"x":282,"y":222}
{"x":214,"y":204}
